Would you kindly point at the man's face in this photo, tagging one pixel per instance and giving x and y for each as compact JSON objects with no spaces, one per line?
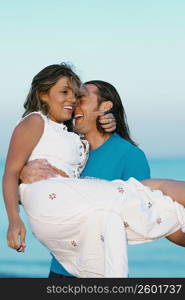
{"x":87,"y":110}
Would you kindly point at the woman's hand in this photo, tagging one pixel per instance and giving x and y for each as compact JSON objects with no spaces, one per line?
{"x":108,"y":122}
{"x":16,"y":235}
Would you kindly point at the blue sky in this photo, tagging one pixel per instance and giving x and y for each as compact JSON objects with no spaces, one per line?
{"x":137,"y":45}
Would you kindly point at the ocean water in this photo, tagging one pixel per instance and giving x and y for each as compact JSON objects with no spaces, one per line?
{"x":159,"y":258}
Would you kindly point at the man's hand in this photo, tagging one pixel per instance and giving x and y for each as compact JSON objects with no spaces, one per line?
{"x":38,"y":169}
{"x":107,"y":122}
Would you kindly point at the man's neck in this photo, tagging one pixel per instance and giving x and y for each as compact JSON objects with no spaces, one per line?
{"x":96,"y":139}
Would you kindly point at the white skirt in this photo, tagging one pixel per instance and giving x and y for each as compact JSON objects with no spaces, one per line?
{"x":87,"y":223}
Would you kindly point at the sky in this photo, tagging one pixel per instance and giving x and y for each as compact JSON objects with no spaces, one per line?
{"x":136,"y":45}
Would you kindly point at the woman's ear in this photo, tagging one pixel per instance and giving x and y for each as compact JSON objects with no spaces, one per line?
{"x":106,"y":106}
{"x":43,"y":96}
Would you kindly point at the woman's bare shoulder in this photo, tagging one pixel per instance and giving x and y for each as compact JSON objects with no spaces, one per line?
{"x":31,"y":126}
{"x":32,"y":121}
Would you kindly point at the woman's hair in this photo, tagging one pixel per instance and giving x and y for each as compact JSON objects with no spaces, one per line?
{"x":107,"y":92}
{"x":43,"y":81}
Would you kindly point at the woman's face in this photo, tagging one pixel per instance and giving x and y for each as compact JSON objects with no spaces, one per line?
{"x":61,"y":100}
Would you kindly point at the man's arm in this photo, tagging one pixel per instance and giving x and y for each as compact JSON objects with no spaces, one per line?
{"x":137,"y":167}
{"x":177,"y":237}
{"x":176,"y":190}
{"x":170,"y":187}
{"x":39,"y":169}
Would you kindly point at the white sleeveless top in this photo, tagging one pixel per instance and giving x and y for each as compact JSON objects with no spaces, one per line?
{"x":65,"y":150}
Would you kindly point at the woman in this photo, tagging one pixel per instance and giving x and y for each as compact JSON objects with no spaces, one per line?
{"x":79,"y":220}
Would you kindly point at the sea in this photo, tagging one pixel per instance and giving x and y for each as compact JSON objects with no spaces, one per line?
{"x":156,"y":259}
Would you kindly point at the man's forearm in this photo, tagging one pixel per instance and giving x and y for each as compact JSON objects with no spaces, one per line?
{"x":177,"y":237}
{"x":173,"y":188}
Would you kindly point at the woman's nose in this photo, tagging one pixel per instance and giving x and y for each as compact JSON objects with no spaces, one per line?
{"x":72,"y":99}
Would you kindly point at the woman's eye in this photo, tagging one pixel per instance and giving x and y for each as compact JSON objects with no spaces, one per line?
{"x":64,"y":92}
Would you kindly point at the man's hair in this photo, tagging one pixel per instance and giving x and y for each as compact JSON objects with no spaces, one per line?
{"x":107,"y":92}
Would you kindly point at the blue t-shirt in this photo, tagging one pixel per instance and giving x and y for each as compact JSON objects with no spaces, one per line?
{"x":115,"y":159}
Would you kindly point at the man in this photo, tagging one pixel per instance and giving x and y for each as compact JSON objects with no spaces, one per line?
{"x":112,"y":155}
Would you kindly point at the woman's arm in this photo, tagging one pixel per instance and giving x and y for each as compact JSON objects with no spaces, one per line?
{"x":107,"y":122}
{"x":173,"y":188}
{"x":24,"y":138}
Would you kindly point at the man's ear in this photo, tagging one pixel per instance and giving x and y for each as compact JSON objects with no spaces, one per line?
{"x":106,"y":106}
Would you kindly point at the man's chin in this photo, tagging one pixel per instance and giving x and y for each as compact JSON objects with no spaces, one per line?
{"x":79,"y":129}
{"x":77,"y":123}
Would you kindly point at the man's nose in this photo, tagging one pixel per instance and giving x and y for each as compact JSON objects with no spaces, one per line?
{"x":77,"y":108}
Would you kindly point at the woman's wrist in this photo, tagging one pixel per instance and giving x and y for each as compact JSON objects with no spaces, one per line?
{"x":14,"y":217}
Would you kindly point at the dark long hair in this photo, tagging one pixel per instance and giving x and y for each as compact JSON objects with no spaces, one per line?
{"x":107,"y":92}
{"x":43,"y":81}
